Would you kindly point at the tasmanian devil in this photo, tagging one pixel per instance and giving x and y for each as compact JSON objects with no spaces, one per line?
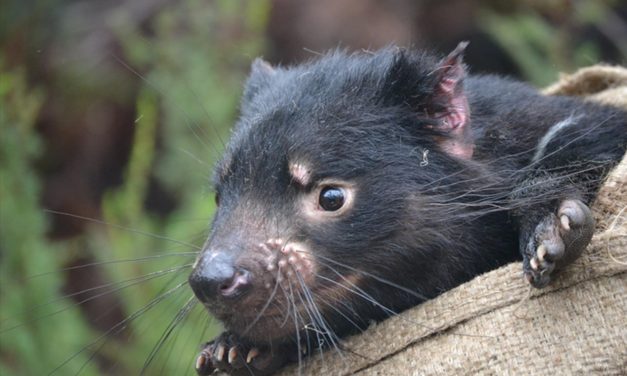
{"x":359,"y":185}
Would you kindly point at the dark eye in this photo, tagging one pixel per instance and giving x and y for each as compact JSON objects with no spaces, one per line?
{"x":331,"y":198}
{"x":216,"y":197}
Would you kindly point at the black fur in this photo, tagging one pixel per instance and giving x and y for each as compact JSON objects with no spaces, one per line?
{"x":423,"y":221}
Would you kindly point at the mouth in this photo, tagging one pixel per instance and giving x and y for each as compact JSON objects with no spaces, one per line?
{"x":288,"y":310}
{"x":289,"y":293}
{"x":260,"y":327}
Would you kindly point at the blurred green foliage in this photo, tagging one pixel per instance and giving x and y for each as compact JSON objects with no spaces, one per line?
{"x":191,"y":70}
{"x":541,"y":47}
{"x":31,"y":334}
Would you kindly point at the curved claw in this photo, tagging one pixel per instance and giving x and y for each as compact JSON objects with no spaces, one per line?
{"x":252,"y":354}
{"x":232,"y":355}
{"x":565,"y":222}
{"x":203,"y":365}
{"x":219,"y":353}
{"x":541,"y":252}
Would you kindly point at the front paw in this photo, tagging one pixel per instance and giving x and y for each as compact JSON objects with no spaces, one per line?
{"x":227,"y":353}
{"x":557,"y":241}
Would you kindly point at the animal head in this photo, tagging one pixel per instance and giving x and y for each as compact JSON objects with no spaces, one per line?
{"x":326,"y":188}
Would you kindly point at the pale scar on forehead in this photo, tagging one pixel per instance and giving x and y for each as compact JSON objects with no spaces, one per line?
{"x":300,"y":172}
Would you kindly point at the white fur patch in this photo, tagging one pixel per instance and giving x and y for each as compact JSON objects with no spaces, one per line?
{"x":300,"y":173}
{"x":541,"y":148}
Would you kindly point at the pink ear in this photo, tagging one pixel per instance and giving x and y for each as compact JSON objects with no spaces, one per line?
{"x":454,"y":118}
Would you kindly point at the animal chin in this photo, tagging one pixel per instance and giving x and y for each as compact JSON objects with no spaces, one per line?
{"x":265,"y":328}
{"x":265,"y":320}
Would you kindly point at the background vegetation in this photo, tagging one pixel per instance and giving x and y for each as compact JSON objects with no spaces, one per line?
{"x":190,"y":76}
{"x":111,"y":117}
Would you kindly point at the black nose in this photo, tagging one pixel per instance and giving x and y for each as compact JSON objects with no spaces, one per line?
{"x":215,"y":276}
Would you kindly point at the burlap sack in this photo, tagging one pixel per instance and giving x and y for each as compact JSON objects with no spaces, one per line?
{"x":496,"y":324}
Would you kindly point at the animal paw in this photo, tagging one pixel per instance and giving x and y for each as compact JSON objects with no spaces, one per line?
{"x":557,"y":241}
{"x":227,"y":353}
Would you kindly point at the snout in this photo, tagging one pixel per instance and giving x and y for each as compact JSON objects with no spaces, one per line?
{"x":217,"y":277}
{"x":238,"y":285}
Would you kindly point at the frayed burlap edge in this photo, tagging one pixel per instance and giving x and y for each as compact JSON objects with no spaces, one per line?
{"x":496,"y":324}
